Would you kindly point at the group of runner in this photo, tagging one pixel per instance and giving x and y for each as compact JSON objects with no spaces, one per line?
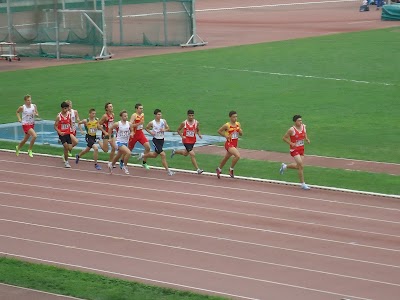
{"x":121,"y":136}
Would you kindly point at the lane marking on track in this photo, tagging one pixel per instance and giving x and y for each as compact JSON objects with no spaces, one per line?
{"x":197,"y":251}
{"x":188,"y":268}
{"x":180,"y":204}
{"x":38,"y":291}
{"x":351,"y":244}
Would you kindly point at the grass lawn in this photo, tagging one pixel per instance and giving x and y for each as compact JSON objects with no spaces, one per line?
{"x":345,"y":118}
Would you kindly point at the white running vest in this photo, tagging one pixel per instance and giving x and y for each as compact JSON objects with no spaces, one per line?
{"x":158,"y":134}
{"x":28,"y":115}
{"x":73,"y":118}
{"x":123,"y":132}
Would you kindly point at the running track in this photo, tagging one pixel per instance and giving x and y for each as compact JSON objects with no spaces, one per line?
{"x":235,"y":238}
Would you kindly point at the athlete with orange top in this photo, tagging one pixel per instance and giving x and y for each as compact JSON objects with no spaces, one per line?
{"x":295,"y":137}
{"x":231,"y":130}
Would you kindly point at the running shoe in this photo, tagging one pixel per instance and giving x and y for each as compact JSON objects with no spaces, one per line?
{"x":121,"y":164}
{"x":76,"y":158}
{"x":110,"y":167}
{"x":199,"y":171}
{"x":70,"y":153}
{"x":125,"y":168}
{"x":67,"y":165}
{"x":218,"y":172}
{"x":173,"y":153}
{"x":231,"y":173}
{"x":30,"y":153}
{"x":170,"y":173}
{"x":140,"y":157}
{"x":16,"y":150}
{"x":97,"y":166}
{"x":146,"y":166}
{"x":282,"y":169}
{"x":305,"y":187}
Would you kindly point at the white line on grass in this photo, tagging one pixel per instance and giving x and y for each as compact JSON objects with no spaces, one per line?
{"x":41,"y":292}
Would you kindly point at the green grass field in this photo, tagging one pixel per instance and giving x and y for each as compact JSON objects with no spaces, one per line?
{"x":345,"y":90}
{"x":344,"y":118}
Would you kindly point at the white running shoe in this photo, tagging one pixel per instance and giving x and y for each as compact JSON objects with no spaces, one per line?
{"x":110,"y":167}
{"x":67,"y":165}
{"x":199,"y":171}
{"x":125,"y":168}
{"x":305,"y":187}
{"x":170,"y":173}
{"x":140,"y":157}
{"x":282,"y":169}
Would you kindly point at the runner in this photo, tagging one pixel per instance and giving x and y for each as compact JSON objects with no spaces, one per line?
{"x":75,"y":119}
{"x":124,"y":131}
{"x":190,"y":127}
{"x":156,"y":128}
{"x":28,"y":112}
{"x":63,"y":126}
{"x":91,"y":126}
{"x":137,"y":119}
{"x":231,"y":130}
{"x":295,"y":137}
{"x":107,"y":120}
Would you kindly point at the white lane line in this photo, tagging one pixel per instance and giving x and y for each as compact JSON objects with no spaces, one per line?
{"x":158,"y":190}
{"x":124,"y":275}
{"x":351,"y":244}
{"x":219,"y":187}
{"x":298,"y":75}
{"x":197,"y":251}
{"x":184,"y":205}
{"x":182,"y":267}
{"x":218,"y":238}
{"x":37,"y":291}
{"x":273,"y":5}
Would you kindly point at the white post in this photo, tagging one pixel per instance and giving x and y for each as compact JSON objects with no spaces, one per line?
{"x":165,"y":23}
{"x":9,"y":21}
{"x":194,"y":26}
{"x":56,"y":28}
{"x":194,"y":39}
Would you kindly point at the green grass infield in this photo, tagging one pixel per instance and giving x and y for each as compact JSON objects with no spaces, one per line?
{"x":85,"y":285}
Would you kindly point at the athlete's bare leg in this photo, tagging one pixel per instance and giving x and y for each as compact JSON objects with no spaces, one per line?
{"x":298,"y":165}
{"x":193,"y":159}
{"x":224,"y":160}
{"x":95,"y":153}
{"x":33,"y":135}
{"x":164,"y":160}
{"x":236,"y":156}
{"x":74,"y":140}
{"x":182,"y":152}
{"x":112,"y":152}
{"x":24,"y":140}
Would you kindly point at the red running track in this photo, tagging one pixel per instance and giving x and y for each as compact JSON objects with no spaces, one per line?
{"x":228,"y":237}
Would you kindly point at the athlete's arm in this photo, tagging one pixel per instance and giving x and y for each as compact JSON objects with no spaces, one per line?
{"x":286,"y":137}
{"x":84,"y":122}
{"x":240,"y":131}
{"x":131,"y":129}
{"x":36,"y":110}
{"x":99,"y":127}
{"x":166,"y":126}
{"x":56,"y":126}
{"x":180,"y":128}
{"x":133,"y":117}
{"x":110,"y":130}
{"x":223,"y":130}
{"x":77,"y":116}
{"x":19,"y":110}
{"x":103,"y":119}
{"x":149,"y":128}
{"x":198,"y":130}
{"x":306,"y":136}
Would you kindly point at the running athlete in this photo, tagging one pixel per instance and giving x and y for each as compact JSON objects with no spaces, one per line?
{"x":75,"y":119}
{"x":157,"y":128}
{"x":295,"y":137}
{"x":63,"y":126}
{"x":190,"y":128}
{"x":124,"y":130}
{"x":28,"y":112}
{"x":91,"y":125}
{"x":231,"y":131}
{"x":137,"y":119}
{"x":107,"y":120}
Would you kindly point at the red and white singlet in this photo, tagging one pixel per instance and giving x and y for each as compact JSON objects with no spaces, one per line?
{"x":298,"y":139}
{"x":64,"y":124}
{"x":189,"y":132}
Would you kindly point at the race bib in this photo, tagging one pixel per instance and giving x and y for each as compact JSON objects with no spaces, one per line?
{"x":159,"y":135}
{"x":190,"y":133}
{"x":92,"y":130}
{"x":235,"y":135}
{"x":110,"y":124}
{"x":139,"y":127}
{"x":300,"y":143}
{"x":64,"y":126}
{"x":124,"y":133}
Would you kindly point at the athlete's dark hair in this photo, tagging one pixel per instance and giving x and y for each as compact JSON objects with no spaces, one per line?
{"x":122,"y":112}
{"x":295,"y":117}
{"x":107,"y":104}
{"x":190,"y":112}
{"x":64,"y":104}
{"x":232,"y":112}
{"x":91,"y":110}
{"x":137,"y":105}
{"x":156,"y":111}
